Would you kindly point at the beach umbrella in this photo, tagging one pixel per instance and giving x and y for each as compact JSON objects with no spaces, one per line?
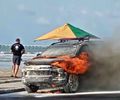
{"x":66,"y":31}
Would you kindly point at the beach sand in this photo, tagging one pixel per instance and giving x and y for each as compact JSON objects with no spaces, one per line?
{"x":7,"y":72}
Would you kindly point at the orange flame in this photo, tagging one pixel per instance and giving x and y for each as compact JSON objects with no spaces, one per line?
{"x":75,"y":65}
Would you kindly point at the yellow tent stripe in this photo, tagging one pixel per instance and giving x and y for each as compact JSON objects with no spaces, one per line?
{"x":61,"y":32}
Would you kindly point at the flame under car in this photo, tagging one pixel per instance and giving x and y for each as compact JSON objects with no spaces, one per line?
{"x":59,"y":66}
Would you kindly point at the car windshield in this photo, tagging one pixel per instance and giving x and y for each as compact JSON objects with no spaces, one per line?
{"x":60,"y":50}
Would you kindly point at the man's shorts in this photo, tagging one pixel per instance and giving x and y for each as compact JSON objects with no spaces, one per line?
{"x":16,"y":59}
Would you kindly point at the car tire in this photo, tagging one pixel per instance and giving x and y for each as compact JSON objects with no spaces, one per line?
{"x":72,"y":84}
{"x":31,"y":88}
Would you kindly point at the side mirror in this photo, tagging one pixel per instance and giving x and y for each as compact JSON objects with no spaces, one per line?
{"x":38,"y":54}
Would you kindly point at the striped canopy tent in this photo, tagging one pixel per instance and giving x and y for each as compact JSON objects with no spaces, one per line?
{"x":66,"y":31}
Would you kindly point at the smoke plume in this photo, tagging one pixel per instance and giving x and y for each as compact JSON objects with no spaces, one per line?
{"x":105,"y":70}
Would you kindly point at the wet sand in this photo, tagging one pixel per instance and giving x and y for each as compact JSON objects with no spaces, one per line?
{"x":7,"y":72}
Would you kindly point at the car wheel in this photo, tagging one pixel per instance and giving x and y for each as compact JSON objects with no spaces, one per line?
{"x":72,"y":84}
{"x":31,"y":88}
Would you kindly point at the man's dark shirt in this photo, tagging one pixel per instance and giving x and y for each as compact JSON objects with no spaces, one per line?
{"x":17,"y":48}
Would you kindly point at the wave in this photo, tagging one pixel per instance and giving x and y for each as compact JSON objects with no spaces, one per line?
{"x":6,"y":59}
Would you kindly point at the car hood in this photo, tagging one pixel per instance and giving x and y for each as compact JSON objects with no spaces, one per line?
{"x":42,"y":61}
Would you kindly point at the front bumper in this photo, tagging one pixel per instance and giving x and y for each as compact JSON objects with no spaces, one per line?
{"x":44,"y":74}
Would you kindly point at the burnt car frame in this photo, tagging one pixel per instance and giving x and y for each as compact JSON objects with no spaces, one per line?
{"x":38,"y":73}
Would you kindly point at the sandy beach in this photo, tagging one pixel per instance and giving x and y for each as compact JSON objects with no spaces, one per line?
{"x":6,"y":63}
{"x":7,"y":72}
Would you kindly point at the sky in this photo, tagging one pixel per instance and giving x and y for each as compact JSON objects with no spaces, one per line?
{"x":28,"y":19}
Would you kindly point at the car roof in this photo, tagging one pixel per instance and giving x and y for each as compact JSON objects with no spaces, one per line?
{"x":69,"y":42}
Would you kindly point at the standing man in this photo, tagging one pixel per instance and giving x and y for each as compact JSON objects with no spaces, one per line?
{"x":18,"y":50}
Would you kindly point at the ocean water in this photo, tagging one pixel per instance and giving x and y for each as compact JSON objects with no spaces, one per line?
{"x":6,"y":59}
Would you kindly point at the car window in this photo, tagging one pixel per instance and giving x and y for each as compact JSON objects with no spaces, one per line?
{"x":60,"y":50}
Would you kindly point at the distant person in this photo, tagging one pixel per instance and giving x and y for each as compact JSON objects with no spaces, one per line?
{"x":18,"y":50}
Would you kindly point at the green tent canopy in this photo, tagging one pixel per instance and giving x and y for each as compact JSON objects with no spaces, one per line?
{"x":66,"y":31}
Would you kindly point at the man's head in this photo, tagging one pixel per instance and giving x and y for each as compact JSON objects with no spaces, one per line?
{"x":18,"y":40}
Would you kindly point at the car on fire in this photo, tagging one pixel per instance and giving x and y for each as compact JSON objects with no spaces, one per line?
{"x":41,"y":73}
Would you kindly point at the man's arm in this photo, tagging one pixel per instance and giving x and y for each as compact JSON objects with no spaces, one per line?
{"x":11,"y":49}
{"x":23,"y":50}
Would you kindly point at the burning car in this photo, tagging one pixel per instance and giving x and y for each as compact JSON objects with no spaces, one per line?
{"x":58,"y":67}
